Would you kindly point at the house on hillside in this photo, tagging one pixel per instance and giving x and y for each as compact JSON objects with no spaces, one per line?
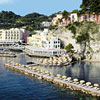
{"x":74,"y":17}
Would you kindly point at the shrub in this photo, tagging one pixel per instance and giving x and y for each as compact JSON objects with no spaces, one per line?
{"x":68,"y":47}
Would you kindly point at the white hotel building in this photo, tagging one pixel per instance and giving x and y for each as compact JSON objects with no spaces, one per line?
{"x":44,"y":40}
{"x":44,"y":44}
{"x":13,"y":36}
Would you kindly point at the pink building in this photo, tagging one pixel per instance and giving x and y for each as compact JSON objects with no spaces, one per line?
{"x":60,"y":21}
{"x":83,"y":17}
{"x":89,"y":17}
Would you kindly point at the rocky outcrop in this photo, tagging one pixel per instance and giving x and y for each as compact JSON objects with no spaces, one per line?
{"x":90,"y":52}
{"x":67,"y":37}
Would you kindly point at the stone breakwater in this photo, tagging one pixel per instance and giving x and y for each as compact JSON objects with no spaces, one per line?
{"x":62,"y":81}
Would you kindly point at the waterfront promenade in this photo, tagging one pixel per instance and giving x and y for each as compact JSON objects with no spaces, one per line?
{"x":56,"y":79}
{"x":42,"y":52}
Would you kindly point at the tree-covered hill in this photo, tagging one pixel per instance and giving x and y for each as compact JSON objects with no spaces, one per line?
{"x":31,"y":21}
{"x":8,"y":18}
{"x":91,"y":5}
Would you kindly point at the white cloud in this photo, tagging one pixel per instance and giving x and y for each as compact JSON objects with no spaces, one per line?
{"x":5,"y":1}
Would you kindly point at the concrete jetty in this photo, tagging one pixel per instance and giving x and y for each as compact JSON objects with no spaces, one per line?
{"x":7,"y":55}
{"x":62,"y":81}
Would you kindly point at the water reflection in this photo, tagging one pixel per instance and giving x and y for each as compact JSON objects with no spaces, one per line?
{"x":88,"y":71}
{"x":82,"y":70}
{"x":13,"y":84}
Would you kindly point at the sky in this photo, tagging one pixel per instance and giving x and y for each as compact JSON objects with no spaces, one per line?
{"x":46,"y":7}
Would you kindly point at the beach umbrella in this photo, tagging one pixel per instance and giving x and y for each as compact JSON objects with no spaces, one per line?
{"x":33,"y":68}
{"x":26,"y":66}
{"x":53,"y":57}
{"x":88,"y":83}
{"x":37,"y":69}
{"x":45,"y":61}
{"x":41,"y":60}
{"x":41,"y":71}
{"x":58,"y":75}
{"x":54,"y":61}
{"x":51,"y":73}
{"x":64,"y":59}
{"x":64,"y":77}
{"x":37,"y":59}
{"x":7,"y":64}
{"x":50,"y":62}
{"x":17,"y":64}
{"x":60,"y":58}
{"x":30,"y":67}
{"x":82,"y":81}
{"x":12,"y":62}
{"x":46,"y":72}
{"x":20,"y":64}
{"x":59,"y":63}
{"x":96,"y":85}
{"x":8,"y":61}
{"x":50,"y":58}
{"x":75,"y":80}
{"x":69,"y":78}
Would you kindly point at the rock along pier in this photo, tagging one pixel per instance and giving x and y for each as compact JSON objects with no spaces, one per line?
{"x":62,"y":81}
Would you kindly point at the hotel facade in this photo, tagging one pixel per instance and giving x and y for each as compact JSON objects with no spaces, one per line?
{"x":44,"y":44}
{"x":13,"y":36}
{"x":44,"y":40}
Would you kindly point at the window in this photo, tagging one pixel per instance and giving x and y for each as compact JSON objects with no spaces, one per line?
{"x":69,"y":18}
{"x":88,"y":16}
{"x":72,"y":20}
{"x":73,"y":16}
{"x":85,"y":17}
{"x":93,"y":16}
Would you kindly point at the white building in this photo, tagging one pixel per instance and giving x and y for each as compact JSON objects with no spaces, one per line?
{"x":44,"y":44}
{"x":46,"y":24}
{"x":73,"y":17}
{"x":44,"y":52}
{"x":13,"y":36}
{"x":44,"y":40}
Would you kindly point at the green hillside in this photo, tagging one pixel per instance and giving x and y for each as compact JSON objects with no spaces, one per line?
{"x":31,"y":21}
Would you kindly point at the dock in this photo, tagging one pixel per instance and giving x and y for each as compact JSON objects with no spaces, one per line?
{"x":63,"y":81}
{"x":7,"y":55}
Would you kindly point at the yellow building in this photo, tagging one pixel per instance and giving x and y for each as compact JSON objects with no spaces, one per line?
{"x":44,"y":40}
